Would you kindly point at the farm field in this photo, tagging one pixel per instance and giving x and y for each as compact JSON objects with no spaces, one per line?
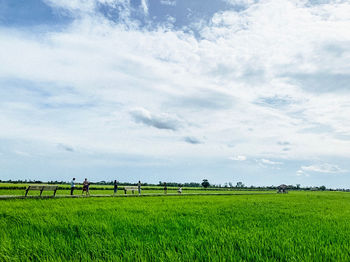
{"x":299,"y":226}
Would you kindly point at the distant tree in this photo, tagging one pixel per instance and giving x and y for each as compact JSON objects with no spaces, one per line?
{"x":323,"y":188}
{"x":230,"y":184}
{"x":205,"y":183}
{"x":192,"y":184}
{"x":239,"y":184}
{"x":298,"y":186}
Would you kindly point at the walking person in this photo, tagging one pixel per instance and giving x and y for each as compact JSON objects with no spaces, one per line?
{"x":72,"y":186}
{"x":165,"y":188}
{"x":139,"y":187}
{"x":86,"y":187}
{"x":179,"y":190}
{"x":115,"y":186}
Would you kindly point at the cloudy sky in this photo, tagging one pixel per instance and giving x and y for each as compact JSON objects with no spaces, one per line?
{"x":176,"y":90}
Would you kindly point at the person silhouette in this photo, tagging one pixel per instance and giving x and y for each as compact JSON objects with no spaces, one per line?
{"x":139,"y":187}
{"x":165,"y":188}
{"x":115,"y":186}
{"x":72,"y":186}
{"x":86,"y":187}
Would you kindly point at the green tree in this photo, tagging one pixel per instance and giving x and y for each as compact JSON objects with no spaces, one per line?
{"x":239,"y":185}
{"x":205,"y":183}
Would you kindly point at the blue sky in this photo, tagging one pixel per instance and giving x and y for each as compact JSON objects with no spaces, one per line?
{"x":172,"y":90}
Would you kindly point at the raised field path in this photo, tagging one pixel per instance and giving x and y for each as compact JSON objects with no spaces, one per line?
{"x":4,"y":197}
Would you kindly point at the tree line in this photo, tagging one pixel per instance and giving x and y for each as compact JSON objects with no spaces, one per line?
{"x":204,"y":184}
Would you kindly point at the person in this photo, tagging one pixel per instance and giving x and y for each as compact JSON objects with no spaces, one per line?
{"x":115,"y":186}
{"x":86,"y":187}
{"x":72,"y":186}
{"x":139,"y":187}
{"x":165,"y":188}
{"x":179,"y":190}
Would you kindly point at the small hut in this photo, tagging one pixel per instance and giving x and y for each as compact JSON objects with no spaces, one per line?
{"x":282,"y":189}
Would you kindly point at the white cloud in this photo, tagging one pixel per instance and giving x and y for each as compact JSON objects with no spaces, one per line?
{"x":323,"y":168}
{"x":241,"y":2}
{"x":144,"y":5}
{"x":270,"y":162}
{"x":168,"y":2}
{"x":238,"y":158}
{"x":74,"y":5}
{"x":214,"y":83}
{"x":302,"y":173}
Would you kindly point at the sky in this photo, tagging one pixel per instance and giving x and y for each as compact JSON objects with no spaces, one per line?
{"x":255,"y":91}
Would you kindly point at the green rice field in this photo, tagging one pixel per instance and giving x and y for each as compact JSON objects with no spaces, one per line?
{"x":299,"y":226}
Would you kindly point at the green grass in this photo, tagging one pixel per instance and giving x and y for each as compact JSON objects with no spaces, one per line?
{"x":298,"y":226}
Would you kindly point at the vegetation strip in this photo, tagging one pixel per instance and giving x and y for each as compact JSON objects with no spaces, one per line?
{"x":298,"y":226}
